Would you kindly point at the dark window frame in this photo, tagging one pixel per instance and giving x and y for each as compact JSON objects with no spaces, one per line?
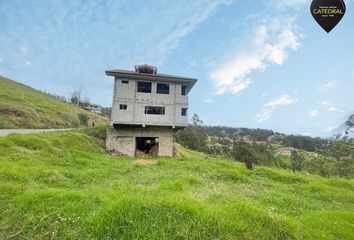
{"x":163,"y":90}
{"x":125,"y":81}
{"x":184,"y":112}
{"x":154,"y":110}
{"x":144,"y":89}
{"x":146,"y":70}
{"x":123,"y":106}
{"x":183,"y":90}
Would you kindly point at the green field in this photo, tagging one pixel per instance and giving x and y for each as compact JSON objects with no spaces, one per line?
{"x":65,"y":186}
{"x":25,"y":107}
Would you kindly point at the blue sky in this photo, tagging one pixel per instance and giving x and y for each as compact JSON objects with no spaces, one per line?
{"x":264,"y":64}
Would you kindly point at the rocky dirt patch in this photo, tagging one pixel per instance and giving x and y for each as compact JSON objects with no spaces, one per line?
{"x":144,"y":162}
{"x":11,"y":112}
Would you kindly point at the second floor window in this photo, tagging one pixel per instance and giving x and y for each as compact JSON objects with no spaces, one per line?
{"x":184,"y":111}
{"x":123,"y":106}
{"x":154,"y":110}
{"x":125,"y":81}
{"x":163,"y":88}
{"x":184,"y":90}
{"x":144,"y":87}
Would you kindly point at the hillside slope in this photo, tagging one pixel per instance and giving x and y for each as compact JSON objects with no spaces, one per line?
{"x":65,"y":186}
{"x":37,"y":109}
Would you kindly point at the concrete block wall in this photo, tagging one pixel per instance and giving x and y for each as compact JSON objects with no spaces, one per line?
{"x":136,"y":102}
{"x":120,"y":144}
{"x":166,"y":146}
{"x":122,"y":139}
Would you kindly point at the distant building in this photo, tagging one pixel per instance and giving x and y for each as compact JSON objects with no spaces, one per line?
{"x":93,"y":108}
{"x":147,"y":107}
{"x":283,"y":152}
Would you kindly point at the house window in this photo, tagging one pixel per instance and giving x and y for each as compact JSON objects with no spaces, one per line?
{"x":184,"y":111}
{"x":125,"y":81}
{"x":184,"y":90}
{"x":163,"y":88}
{"x":123,"y":106}
{"x":154,"y":110}
{"x":144,"y":87}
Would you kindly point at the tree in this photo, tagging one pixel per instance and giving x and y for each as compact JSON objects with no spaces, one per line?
{"x":197,"y":121}
{"x":193,"y":137}
{"x":62,"y":98}
{"x":296,"y":161}
{"x":74,"y":98}
{"x":343,"y":153}
{"x":242,"y":151}
{"x":263,"y":153}
{"x":328,"y":167}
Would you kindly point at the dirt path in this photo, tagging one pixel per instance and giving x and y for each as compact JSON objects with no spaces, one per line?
{"x":5,"y":132}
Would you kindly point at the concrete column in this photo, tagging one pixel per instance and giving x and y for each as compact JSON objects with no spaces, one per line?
{"x":165,"y":146}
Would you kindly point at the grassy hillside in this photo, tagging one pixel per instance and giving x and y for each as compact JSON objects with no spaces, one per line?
{"x":38,"y":110}
{"x":65,"y":186}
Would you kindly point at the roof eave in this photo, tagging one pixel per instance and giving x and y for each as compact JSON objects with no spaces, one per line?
{"x":154,"y":77}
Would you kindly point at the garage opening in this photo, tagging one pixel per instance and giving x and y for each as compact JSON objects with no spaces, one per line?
{"x":147,"y":146}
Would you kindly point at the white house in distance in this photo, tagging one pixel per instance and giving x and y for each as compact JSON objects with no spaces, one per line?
{"x":147,"y":107}
{"x":95,"y":108}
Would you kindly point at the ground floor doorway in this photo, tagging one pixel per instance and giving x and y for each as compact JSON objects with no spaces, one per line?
{"x":147,"y":146}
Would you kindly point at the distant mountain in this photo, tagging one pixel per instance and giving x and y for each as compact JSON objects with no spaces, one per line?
{"x":345,"y":130}
{"x":306,"y":143}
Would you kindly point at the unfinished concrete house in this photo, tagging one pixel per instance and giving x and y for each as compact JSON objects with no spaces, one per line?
{"x":147,"y":108}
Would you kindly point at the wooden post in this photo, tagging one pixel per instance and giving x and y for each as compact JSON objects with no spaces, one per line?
{"x":77,"y":104}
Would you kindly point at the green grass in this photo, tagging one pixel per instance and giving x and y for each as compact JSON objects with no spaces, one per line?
{"x":38,"y":110}
{"x":65,"y":186}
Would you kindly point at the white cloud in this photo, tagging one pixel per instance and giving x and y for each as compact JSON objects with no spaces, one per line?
{"x":28,"y":63}
{"x":335,"y":110}
{"x":326,"y":86}
{"x":284,"y":99}
{"x":328,"y":106}
{"x":313,"y":113}
{"x":272,"y":105}
{"x":1,"y":60}
{"x":325,"y":103}
{"x":271,"y":44}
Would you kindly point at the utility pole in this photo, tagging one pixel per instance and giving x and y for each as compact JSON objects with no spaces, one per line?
{"x":77,"y":104}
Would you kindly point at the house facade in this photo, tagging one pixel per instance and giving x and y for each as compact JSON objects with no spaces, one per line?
{"x":147,"y":107}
